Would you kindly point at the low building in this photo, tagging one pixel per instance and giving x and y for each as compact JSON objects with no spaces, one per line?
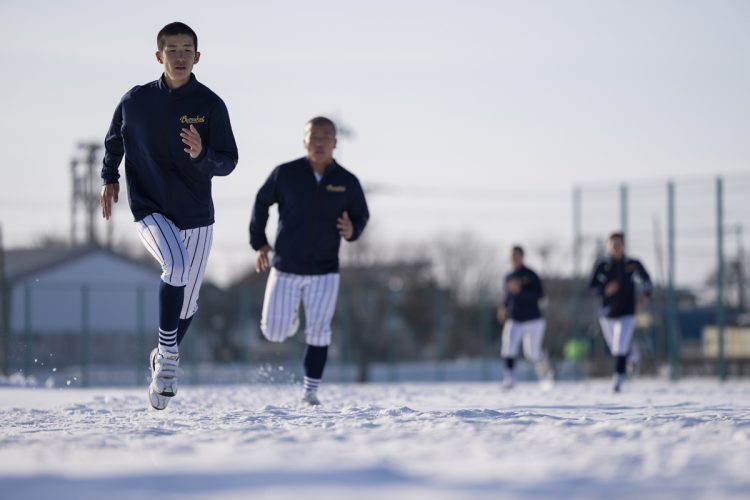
{"x":77,"y":306}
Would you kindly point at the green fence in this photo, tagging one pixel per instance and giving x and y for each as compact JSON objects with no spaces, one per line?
{"x":392,"y":324}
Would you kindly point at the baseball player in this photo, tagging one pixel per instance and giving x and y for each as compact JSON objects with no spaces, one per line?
{"x":522,"y":318}
{"x":319,"y":202}
{"x":175,"y":135}
{"x":614,"y":280}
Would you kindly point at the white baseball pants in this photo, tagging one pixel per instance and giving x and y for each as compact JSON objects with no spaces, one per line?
{"x":182,"y":254}
{"x":531,"y":333}
{"x":285,"y":291}
{"x":618,"y":333}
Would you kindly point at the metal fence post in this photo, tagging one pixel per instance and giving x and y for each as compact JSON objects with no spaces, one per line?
{"x":245,"y":321}
{"x":344,"y":326}
{"x":577,"y":236}
{"x":85,"y":338}
{"x":624,"y":210}
{"x":673,"y":341}
{"x":140,"y":343}
{"x":390,"y":321}
{"x":720,"y":313}
{"x":27,"y":336}
{"x":438,"y":327}
{"x":485,"y":326}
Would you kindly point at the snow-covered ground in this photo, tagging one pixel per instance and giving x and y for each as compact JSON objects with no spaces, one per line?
{"x":417,"y":441}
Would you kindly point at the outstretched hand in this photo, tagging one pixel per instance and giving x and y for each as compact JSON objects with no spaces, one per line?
{"x":110,"y":193}
{"x":192,"y":139}
{"x":344,"y":225}
{"x":502,"y":314}
{"x":261,"y":259}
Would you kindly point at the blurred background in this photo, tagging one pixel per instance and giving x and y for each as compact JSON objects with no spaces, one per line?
{"x":472,"y":125}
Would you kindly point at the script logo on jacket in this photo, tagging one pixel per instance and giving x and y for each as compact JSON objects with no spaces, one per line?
{"x":187,"y":120}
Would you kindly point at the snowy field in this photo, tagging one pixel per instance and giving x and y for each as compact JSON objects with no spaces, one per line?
{"x":380,"y":441}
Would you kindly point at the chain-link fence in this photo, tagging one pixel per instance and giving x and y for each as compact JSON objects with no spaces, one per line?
{"x":399,"y":319}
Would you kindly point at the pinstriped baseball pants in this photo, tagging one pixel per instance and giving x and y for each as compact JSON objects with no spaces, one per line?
{"x":530,"y":332}
{"x":285,"y":291}
{"x":182,"y":254}
{"x":618,"y":333}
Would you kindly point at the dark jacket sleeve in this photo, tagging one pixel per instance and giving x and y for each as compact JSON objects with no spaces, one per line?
{"x":598,"y":280}
{"x":358,"y":212}
{"x":263,"y":200}
{"x":533,"y":291}
{"x":646,"y":284}
{"x":219,"y":155}
{"x":508,"y":299}
{"x":113,"y":149}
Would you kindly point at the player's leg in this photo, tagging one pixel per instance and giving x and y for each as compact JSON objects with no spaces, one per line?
{"x":608,"y":328}
{"x":162,"y":239}
{"x":198,"y":243}
{"x":319,"y":298}
{"x":606,"y":325}
{"x":533,"y":350}
{"x":619,"y":333}
{"x":622,"y":338}
{"x":280,"y":316}
{"x":510,"y":344}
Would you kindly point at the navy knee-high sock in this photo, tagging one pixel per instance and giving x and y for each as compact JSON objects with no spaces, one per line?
{"x":182,"y":328}
{"x":170,"y":305}
{"x":621,"y":363}
{"x":510,"y":363}
{"x":315,"y":363}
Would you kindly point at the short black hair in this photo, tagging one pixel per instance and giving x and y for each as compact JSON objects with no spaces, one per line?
{"x":322,"y":120}
{"x":617,"y":235}
{"x":176,"y":28}
{"x":517,"y":248}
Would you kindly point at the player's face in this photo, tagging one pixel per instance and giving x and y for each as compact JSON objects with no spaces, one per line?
{"x":516,"y":259}
{"x":616,"y":248}
{"x":178,"y":57}
{"x":320,"y":141}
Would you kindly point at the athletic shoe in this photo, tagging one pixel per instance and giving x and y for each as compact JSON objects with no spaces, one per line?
{"x":545,"y":372}
{"x":508,"y":381}
{"x":163,"y":378}
{"x":617,"y":380}
{"x":311,"y":398}
{"x":158,"y":402}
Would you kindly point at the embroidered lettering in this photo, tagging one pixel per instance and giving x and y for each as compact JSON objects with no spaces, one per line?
{"x":187,"y":120}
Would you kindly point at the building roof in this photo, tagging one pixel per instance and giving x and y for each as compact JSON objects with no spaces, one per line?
{"x":21,"y":262}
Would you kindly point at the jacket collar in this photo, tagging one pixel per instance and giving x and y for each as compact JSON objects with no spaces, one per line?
{"x":184,"y":90}
{"x":329,"y":169}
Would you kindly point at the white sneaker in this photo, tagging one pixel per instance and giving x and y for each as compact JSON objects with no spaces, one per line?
{"x":545,"y":373}
{"x":617,"y":380}
{"x":311,"y":398}
{"x":508,"y":381}
{"x":163,"y":378}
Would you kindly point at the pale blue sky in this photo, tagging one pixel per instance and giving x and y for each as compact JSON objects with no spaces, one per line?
{"x":524,"y":99}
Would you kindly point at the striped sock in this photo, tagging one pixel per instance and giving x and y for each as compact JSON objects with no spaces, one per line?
{"x":167,"y":341}
{"x":311,"y":384}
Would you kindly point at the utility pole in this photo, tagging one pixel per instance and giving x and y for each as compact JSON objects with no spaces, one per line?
{"x":4,"y":311}
{"x":740,"y":269}
{"x":85,"y":197}
{"x":720,"y":312}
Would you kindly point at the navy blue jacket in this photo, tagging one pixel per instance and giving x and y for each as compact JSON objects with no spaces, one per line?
{"x":161,"y":176}
{"x":307,"y":240}
{"x":524,"y":305}
{"x":624,"y":271}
